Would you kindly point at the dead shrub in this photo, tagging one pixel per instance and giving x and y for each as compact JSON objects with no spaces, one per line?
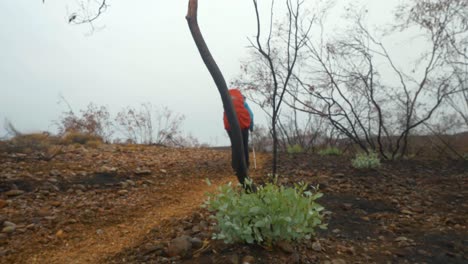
{"x":35,"y":145}
{"x":29,"y":143}
{"x":93,"y":143}
{"x":74,"y":137}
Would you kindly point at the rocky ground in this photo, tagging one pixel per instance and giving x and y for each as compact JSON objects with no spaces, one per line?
{"x":135,"y":204}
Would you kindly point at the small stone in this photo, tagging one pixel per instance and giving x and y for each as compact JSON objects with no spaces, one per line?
{"x":99,"y":232}
{"x":9,"y":229}
{"x":54,"y":173}
{"x":316,"y":246}
{"x":285,"y":246}
{"x":233,"y":259}
{"x":163,"y":170}
{"x":336,"y":231}
{"x":196,"y":229}
{"x":132,"y":183}
{"x":56,"y":203}
{"x":338,"y":261}
{"x":402,"y":238}
{"x":294,"y":258}
{"x":406,"y":211}
{"x":248,"y":260}
{"x":60,"y":233}
{"x":347,"y":206}
{"x":107,"y":169}
{"x":139,"y":171}
{"x":8,"y":223}
{"x":180,"y":246}
{"x":196,"y":243}
{"x":124,"y":184}
{"x":122,"y":192}
{"x":11,"y":193}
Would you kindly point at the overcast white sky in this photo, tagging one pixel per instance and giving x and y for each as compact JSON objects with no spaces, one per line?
{"x":144,"y":53}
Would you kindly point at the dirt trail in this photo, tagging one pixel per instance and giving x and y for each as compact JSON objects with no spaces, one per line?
{"x":182,"y":200}
{"x":115,"y":238}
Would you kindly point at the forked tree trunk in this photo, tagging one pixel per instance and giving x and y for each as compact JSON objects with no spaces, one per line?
{"x":238,"y":159}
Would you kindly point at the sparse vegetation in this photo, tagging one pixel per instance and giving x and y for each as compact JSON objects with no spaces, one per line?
{"x":295,"y":149}
{"x":274,"y":213}
{"x":366,"y":161}
{"x":74,"y":137}
{"x":330,"y":151}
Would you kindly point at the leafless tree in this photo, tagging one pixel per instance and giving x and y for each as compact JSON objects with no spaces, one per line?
{"x":276,"y":53}
{"x":349,"y":88}
{"x":150,"y":126}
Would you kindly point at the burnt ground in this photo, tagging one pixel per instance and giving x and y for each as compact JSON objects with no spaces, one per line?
{"x":126,"y":204}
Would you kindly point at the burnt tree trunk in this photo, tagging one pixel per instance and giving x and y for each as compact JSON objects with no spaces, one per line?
{"x":238,"y":158}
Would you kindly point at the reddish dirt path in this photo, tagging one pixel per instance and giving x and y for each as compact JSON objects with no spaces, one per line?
{"x":95,"y":248}
{"x":99,"y":217}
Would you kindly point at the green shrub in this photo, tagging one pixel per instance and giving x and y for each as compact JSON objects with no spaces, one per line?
{"x":273,"y":213}
{"x":331,"y":151}
{"x":366,"y":161}
{"x":295,"y":149}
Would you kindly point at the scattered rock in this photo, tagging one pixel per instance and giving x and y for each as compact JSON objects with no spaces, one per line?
{"x":12,"y":193}
{"x":99,"y":232}
{"x":107,"y":169}
{"x":54,"y":173}
{"x":8,"y":223}
{"x":285,"y":246}
{"x":294,"y":258}
{"x":196,"y":229}
{"x":336,"y":231}
{"x":316,"y":246}
{"x":124,"y":184}
{"x":122,"y":192}
{"x":56,"y":203}
{"x":9,"y":229}
{"x":180,"y":246}
{"x":233,"y":259}
{"x":139,"y":171}
{"x":151,"y":248}
{"x":196,"y":243}
{"x":131,"y":183}
{"x":338,"y":261}
{"x":248,"y":260}
{"x":348,"y":250}
{"x":347,"y":206}
{"x":402,"y":238}
{"x":60,"y":234}
{"x":406,"y":211}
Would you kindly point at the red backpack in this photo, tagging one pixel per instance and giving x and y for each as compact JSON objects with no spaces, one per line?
{"x":242,"y":113}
